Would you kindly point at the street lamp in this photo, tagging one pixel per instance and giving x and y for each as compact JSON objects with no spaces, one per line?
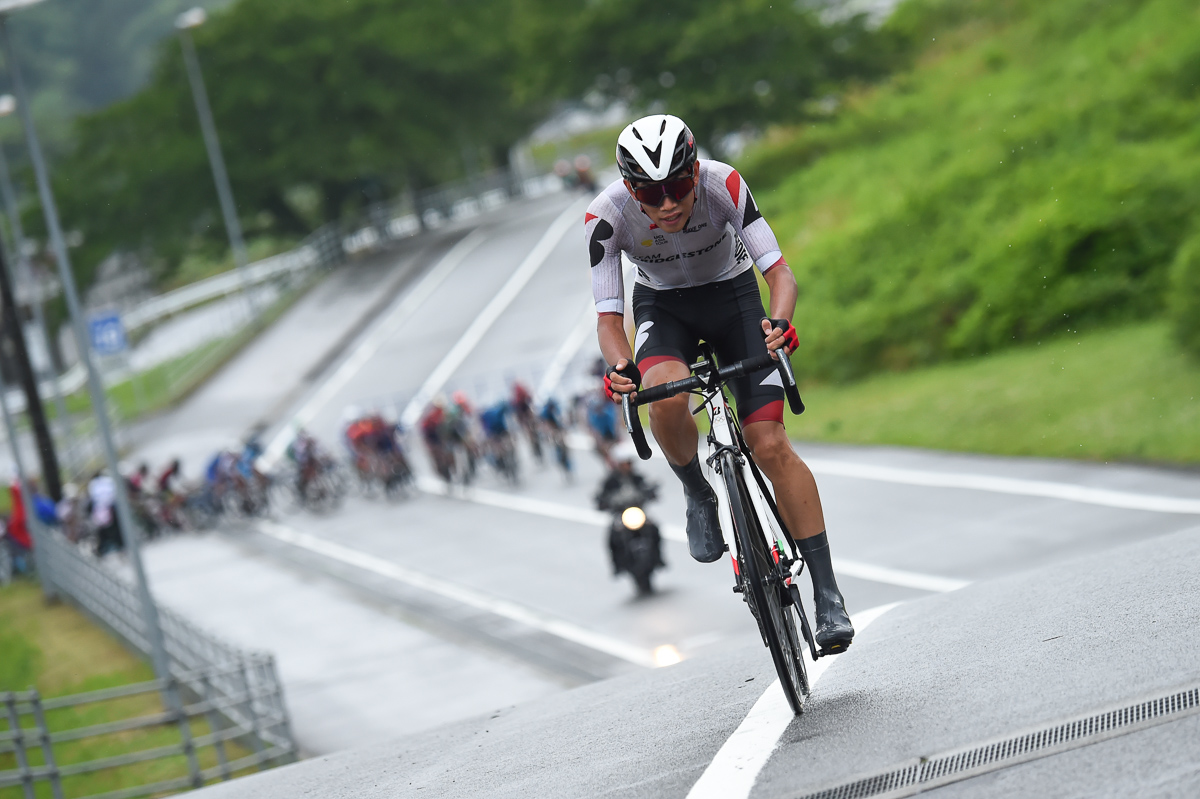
{"x":184,"y":23}
{"x":158,"y":652}
{"x":8,"y":104}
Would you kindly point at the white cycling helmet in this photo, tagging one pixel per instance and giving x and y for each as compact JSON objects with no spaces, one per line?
{"x":655,"y":147}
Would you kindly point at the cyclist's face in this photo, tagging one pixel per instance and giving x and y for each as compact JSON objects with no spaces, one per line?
{"x":671,"y":214}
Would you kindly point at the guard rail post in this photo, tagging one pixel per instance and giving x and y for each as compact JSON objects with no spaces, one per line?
{"x":251,"y":714}
{"x":185,"y":732}
{"x":214,"y":726}
{"x":39,"y":718}
{"x":14,"y":723}
{"x":285,"y":725}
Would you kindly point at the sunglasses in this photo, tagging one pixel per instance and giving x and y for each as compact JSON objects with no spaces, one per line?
{"x":654,"y":193}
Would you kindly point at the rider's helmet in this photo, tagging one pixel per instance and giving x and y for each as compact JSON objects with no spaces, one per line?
{"x":654,"y":148}
{"x":625,"y":452}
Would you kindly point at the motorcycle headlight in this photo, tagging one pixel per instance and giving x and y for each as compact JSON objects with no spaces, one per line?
{"x":633,"y":518}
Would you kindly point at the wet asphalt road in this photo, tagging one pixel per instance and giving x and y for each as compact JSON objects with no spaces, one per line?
{"x":651,"y":732}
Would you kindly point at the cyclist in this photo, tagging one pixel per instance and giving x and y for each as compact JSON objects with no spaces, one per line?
{"x":499,"y":441}
{"x":695,"y":233}
{"x":522,"y":407}
{"x":602,"y":422}
{"x":433,"y":431}
{"x":551,"y":417}
{"x":305,"y":454}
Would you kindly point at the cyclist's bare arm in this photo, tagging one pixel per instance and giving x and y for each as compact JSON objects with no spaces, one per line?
{"x":610,"y":329}
{"x":782,"y":285}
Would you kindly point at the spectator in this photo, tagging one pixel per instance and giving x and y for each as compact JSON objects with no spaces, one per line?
{"x":18,"y":532}
{"x":102,"y":494}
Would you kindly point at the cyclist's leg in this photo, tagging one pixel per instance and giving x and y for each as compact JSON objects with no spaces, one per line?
{"x":737,"y":334}
{"x":760,"y":408}
{"x":663,"y":348}
{"x":795,"y":487}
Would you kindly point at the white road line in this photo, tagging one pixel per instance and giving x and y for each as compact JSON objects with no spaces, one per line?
{"x":567,"y":352}
{"x":1070,"y":492}
{"x":495,"y":499}
{"x":491,"y":312}
{"x":899,"y":577}
{"x":370,"y":344}
{"x":674,"y":532}
{"x":732,"y":773}
{"x":1008,"y":485}
{"x":457,"y":593}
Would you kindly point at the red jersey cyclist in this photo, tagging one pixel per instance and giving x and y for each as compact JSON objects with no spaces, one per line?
{"x":695,"y":234}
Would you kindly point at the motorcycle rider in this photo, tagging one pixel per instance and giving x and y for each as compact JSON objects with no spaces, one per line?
{"x":695,"y":233}
{"x":624,"y":481}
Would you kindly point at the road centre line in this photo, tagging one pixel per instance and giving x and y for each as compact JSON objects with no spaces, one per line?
{"x":500,"y":607}
{"x":674,"y":532}
{"x":370,"y":344}
{"x":491,"y":312}
{"x":736,"y":766}
{"x":1007,"y":485}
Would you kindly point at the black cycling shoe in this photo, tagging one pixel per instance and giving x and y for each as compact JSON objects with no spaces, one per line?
{"x":834,"y":631}
{"x":705,"y":542}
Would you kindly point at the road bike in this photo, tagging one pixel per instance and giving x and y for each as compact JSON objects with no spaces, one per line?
{"x":766,"y":563}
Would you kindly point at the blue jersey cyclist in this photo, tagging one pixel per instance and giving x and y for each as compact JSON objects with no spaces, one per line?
{"x":695,"y":234}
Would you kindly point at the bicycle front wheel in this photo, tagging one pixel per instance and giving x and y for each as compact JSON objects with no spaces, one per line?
{"x":764,"y":589}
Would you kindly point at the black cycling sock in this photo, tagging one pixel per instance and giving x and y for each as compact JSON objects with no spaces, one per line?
{"x":692,"y":477}
{"x":815,"y":550}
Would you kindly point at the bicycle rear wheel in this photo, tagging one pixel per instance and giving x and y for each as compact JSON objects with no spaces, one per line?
{"x":764,"y":589}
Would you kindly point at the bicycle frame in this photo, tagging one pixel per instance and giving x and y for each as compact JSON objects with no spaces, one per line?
{"x":726,"y":447}
{"x":728,"y":451}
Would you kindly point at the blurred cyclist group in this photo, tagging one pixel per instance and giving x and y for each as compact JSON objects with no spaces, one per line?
{"x":461,"y":438}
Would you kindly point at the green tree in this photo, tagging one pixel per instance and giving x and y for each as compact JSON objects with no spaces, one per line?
{"x":720,"y":65}
{"x":354,"y":99}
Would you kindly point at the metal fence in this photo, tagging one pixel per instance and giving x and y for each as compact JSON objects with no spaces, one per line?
{"x":239,"y":692}
{"x":233,"y":732}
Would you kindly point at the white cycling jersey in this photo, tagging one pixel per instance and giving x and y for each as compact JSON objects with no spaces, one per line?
{"x":724,"y":236}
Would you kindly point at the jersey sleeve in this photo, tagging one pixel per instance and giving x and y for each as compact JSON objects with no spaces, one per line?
{"x":603,"y":228}
{"x":732,"y":200}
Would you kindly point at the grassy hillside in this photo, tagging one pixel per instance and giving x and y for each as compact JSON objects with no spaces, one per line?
{"x":1125,"y":393}
{"x":1033,"y":173}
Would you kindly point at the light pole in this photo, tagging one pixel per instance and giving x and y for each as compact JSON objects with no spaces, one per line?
{"x":184,"y":23}
{"x":130,"y":532}
{"x":8,"y":104}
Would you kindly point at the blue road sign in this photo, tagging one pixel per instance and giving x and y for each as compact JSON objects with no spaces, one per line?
{"x":107,"y":333}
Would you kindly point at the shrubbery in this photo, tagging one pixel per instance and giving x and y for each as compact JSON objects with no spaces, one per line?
{"x":1034,"y":172}
{"x":1183,"y":295}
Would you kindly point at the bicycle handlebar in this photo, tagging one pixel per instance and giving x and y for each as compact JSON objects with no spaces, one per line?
{"x":633,"y":422}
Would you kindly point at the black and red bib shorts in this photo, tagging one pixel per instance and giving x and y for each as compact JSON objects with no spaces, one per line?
{"x":727,"y":314}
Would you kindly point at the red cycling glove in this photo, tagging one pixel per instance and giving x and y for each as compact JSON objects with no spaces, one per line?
{"x":791,"y":340}
{"x":630,"y":371}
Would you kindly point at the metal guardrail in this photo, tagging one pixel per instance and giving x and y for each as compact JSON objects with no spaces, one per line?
{"x":250,"y":717}
{"x":155,"y":308}
{"x":376,"y":227}
{"x":378,"y":224}
{"x":241,"y":688}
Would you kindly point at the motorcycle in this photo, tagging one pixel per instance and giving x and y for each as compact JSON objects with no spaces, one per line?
{"x":634,"y":541}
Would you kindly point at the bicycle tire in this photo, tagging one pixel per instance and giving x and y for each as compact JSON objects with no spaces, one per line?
{"x":757,"y":568}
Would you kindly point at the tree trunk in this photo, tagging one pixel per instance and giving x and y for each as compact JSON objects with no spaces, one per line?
{"x":18,"y":355}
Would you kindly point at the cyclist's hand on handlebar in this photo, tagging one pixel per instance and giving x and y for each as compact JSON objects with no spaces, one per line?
{"x":622,"y":377}
{"x":780,"y":333}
